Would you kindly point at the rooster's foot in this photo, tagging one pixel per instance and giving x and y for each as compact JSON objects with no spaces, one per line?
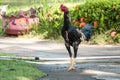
{"x":71,"y":68}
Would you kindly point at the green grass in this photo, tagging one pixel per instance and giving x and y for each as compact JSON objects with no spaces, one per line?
{"x":6,"y":54}
{"x":18,"y":70}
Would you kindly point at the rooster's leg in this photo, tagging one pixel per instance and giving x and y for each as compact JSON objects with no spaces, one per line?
{"x":72,"y":60}
{"x":70,"y":54}
{"x":71,"y":64}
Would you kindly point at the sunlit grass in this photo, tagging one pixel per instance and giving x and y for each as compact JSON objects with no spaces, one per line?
{"x":6,"y":54}
{"x":18,"y":70}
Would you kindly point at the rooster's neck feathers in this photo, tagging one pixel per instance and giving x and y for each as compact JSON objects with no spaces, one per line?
{"x":66,"y":20}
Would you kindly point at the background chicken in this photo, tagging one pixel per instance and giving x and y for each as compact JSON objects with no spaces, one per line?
{"x":73,"y":36}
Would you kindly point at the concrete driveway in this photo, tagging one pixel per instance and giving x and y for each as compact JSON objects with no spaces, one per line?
{"x":94,"y":62}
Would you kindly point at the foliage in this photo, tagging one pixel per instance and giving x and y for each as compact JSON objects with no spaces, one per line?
{"x":50,"y":24}
{"x":105,"y":12}
{"x":1,"y":30}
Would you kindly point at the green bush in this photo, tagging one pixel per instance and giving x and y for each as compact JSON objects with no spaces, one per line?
{"x":106,"y":12}
{"x":50,"y":24}
{"x":2,"y":32}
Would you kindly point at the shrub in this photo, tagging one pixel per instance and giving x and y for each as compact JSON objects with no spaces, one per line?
{"x":50,"y":24}
{"x":105,"y":14}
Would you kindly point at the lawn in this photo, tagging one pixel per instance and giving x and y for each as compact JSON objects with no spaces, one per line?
{"x":19,"y":70}
{"x":6,"y":54}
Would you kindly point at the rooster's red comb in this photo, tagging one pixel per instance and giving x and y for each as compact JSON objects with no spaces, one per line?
{"x":63,"y":8}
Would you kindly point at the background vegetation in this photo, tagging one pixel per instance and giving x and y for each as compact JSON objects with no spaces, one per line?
{"x":105,"y":12}
{"x":107,"y":15}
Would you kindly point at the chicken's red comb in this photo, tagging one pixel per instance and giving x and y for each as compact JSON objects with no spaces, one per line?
{"x":63,"y":8}
{"x":62,"y":5}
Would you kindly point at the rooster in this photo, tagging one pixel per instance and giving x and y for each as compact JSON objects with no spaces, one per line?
{"x":73,"y":36}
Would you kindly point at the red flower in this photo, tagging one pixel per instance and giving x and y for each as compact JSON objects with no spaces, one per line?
{"x":113,"y":33}
{"x":95,"y":23}
{"x":48,"y":14}
{"x":82,"y":19}
{"x":82,"y":24}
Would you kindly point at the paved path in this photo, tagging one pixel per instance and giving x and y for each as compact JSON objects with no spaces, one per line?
{"x":93,"y":62}
{"x":84,"y":71}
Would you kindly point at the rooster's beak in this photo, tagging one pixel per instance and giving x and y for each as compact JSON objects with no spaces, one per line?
{"x":59,"y":7}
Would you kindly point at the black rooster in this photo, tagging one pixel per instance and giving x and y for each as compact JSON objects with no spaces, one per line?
{"x":73,"y":36}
